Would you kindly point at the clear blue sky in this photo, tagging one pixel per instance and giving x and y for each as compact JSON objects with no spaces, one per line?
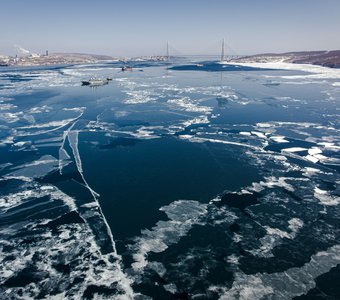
{"x":142,"y":27}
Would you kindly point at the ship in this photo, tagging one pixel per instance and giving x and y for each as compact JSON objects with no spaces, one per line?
{"x":93,"y":81}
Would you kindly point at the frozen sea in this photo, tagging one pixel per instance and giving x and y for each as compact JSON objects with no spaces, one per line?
{"x":181,"y":180}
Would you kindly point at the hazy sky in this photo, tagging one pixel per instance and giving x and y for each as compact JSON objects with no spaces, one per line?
{"x":142,"y":27}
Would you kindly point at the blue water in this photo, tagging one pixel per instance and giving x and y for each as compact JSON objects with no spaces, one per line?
{"x":177,"y":180}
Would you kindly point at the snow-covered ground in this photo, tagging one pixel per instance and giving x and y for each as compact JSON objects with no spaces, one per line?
{"x":317,"y":71}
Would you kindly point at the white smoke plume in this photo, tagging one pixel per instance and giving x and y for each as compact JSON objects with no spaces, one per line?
{"x":21,"y":51}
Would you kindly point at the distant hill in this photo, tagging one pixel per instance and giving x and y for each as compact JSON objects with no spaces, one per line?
{"x":329,"y":59}
{"x":83,"y":56}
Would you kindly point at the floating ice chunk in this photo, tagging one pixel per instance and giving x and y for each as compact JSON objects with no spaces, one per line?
{"x":314,"y":150}
{"x":190,"y":105}
{"x":237,"y":238}
{"x":12,"y":200}
{"x":245,"y":133}
{"x":264,"y":125}
{"x":145,"y":133}
{"x":272,"y":182}
{"x":40,"y":109}
{"x":36,"y":169}
{"x":274,"y":237}
{"x":281,"y":182}
{"x":279,"y":139}
{"x":315,"y":156}
{"x":158,"y":267}
{"x":312,"y":158}
{"x":280,"y":157}
{"x":325,"y":198}
{"x":245,"y":192}
{"x":233,"y":259}
{"x":182,"y":214}
{"x":186,"y":137}
{"x":7,"y":106}
{"x":259,"y":134}
{"x":198,"y":120}
{"x":284,"y":285}
{"x":295,"y":225}
{"x":276,"y":231}
{"x":329,"y":145}
{"x":320,"y":192}
{"x":294,"y":149}
{"x":90,"y":205}
{"x":19,"y":144}
{"x":171,"y":287}
{"x":7,"y":141}
{"x":308,"y":172}
{"x":10,"y":117}
{"x":321,"y":157}
{"x":139,"y":97}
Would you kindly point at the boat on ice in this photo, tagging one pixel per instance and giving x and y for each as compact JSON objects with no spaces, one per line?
{"x":271,"y":83}
{"x":93,"y":81}
{"x":126,"y":68}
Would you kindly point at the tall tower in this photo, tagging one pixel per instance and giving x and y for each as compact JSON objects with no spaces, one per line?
{"x":167,"y":51}
{"x":222,"y":54}
{"x":46,"y":52}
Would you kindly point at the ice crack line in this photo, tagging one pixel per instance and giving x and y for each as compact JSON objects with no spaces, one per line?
{"x":73,"y":137}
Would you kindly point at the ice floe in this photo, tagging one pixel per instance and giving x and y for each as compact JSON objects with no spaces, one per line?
{"x":272,"y":182}
{"x":245,"y":133}
{"x":37,"y":168}
{"x":286,"y":285}
{"x":182,"y":214}
{"x":294,"y":149}
{"x":139,"y":97}
{"x":197,"y":120}
{"x":274,"y":237}
{"x":189,"y":105}
{"x":259,"y":134}
{"x":329,"y":145}
{"x":325,"y":198}
{"x":279,"y":139}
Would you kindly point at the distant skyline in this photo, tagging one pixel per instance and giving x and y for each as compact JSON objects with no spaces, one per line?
{"x":132,"y":28}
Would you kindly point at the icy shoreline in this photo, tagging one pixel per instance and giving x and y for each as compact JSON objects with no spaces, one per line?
{"x":322,"y":72}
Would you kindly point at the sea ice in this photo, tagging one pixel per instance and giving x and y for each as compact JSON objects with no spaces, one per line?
{"x":285,"y":285}
{"x":182,"y":214}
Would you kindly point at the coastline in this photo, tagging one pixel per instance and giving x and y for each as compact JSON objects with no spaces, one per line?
{"x":56,"y":59}
{"x":316,"y":70}
{"x":329,"y":59}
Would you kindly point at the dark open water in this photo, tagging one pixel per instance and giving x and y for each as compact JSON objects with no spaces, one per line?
{"x":190,"y":182}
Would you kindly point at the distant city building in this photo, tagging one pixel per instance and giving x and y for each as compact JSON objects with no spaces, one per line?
{"x":46,"y":52}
